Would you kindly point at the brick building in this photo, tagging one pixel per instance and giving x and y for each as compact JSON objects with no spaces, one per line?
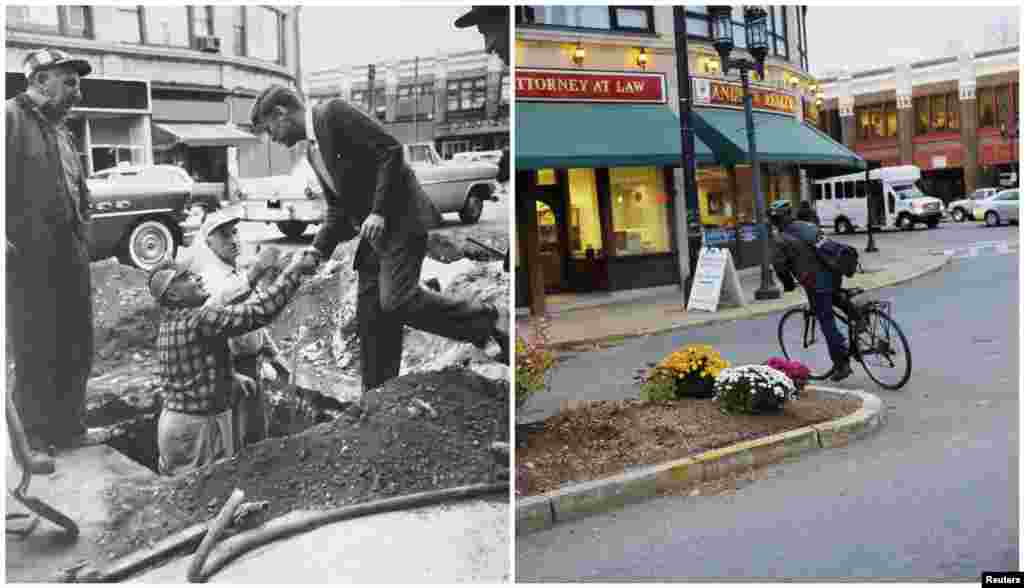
{"x":170,"y":84}
{"x":953,"y":117}
{"x":460,"y":101}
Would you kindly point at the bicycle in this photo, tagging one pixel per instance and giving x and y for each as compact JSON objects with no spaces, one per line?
{"x":876,"y":344}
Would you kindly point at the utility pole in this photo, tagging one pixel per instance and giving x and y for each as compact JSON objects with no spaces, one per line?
{"x":689,"y":158}
{"x":371,"y":76}
{"x":416,"y":99}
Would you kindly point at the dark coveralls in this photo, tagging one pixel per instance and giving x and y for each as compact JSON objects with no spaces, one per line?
{"x":796,"y":262}
{"x":49,"y":292}
{"x":369,"y":165}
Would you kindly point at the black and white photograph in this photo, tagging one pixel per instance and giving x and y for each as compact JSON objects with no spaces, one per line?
{"x":258,"y":293}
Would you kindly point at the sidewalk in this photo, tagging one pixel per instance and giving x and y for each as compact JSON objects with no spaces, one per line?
{"x":591,"y":318}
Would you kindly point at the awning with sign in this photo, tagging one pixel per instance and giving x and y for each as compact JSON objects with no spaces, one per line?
{"x":599,"y":135}
{"x":779,"y":139}
{"x":199,"y":135}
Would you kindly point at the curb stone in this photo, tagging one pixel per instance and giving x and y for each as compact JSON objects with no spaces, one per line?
{"x":749,"y":312}
{"x":576,"y":501}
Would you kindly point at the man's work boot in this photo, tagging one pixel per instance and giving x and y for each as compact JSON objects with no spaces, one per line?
{"x":841,"y":371}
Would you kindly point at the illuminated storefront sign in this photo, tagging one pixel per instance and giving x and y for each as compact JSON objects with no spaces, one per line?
{"x":558,"y":85}
{"x":707,"y":92}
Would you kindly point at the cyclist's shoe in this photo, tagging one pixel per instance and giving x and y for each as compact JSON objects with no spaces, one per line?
{"x":841,"y":371}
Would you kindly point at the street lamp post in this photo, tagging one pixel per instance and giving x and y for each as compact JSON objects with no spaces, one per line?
{"x":756,"y":20}
{"x":871,"y":209}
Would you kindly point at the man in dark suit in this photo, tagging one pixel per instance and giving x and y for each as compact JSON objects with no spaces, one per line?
{"x":372,"y":193}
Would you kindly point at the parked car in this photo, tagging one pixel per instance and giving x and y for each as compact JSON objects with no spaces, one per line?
{"x":1003,"y":207}
{"x":204,"y":194}
{"x":963,"y":209}
{"x":138,"y":212}
{"x":294,"y":201}
{"x":492,"y":157}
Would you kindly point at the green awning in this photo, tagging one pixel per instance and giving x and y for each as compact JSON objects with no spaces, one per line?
{"x":599,"y":135}
{"x":779,"y":139}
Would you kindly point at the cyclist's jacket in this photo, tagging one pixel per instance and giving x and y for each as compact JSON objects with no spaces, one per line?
{"x":795,"y":261}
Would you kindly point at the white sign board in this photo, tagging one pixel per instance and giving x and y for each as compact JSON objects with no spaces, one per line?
{"x":715,"y":274}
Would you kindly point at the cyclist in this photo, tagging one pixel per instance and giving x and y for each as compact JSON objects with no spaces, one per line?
{"x":796,"y":261}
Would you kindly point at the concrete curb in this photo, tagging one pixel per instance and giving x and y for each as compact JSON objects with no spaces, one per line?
{"x":535,"y":513}
{"x":761,"y":309}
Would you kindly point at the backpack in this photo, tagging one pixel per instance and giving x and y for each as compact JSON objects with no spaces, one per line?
{"x":838,"y":257}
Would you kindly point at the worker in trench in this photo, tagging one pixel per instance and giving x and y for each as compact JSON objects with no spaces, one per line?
{"x":201,"y":390}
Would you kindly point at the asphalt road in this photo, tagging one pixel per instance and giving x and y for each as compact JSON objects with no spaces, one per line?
{"x":933,"y":495}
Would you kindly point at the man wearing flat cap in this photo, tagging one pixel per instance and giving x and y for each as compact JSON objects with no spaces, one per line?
{"x":49,"y":300}
{"x":381,"y":201}
{"x":197,"y":375}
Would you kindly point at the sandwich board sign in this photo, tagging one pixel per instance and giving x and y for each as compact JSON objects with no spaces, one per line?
{"x":715,"y":275}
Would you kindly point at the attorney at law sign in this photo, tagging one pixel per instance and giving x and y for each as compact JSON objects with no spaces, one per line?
{"x":566,"y":85}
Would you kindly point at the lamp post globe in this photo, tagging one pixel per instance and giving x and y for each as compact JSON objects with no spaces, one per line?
{"x":721,"y":33}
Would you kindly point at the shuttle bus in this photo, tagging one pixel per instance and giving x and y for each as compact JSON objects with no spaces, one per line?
{"x":842,"y":202}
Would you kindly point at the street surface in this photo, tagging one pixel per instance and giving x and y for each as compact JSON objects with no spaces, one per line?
{"x":933,"y":495}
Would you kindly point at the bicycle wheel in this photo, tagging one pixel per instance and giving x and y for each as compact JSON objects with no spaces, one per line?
{"x":884,"y":351}
{"x":801,"y":340}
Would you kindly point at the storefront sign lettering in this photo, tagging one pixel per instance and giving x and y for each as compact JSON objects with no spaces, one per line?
{"x":555,"y":85}
{"x":718,"y":93}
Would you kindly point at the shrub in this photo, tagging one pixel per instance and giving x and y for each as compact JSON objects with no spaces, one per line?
{"x":753,"y":389}
{"x":534,"y":360}
{"x":686,"y":373}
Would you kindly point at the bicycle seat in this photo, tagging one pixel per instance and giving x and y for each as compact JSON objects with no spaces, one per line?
{"x":853,"y":292}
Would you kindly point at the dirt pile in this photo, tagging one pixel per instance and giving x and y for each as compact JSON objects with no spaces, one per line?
{"x":328,"y":355}
{"x":416,"y":433}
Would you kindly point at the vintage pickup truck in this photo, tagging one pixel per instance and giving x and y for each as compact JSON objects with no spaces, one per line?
{"x":295,"y":201}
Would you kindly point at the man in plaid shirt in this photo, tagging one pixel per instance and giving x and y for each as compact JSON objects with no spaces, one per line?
{"x":196,"y":370}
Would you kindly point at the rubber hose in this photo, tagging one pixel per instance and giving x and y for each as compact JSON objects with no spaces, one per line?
{"x":216,"y":528}
{"x":256,"y":539}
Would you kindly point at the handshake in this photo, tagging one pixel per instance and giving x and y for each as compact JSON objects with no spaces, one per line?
{"x":303,"y":262}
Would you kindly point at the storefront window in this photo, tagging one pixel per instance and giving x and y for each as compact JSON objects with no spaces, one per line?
{"x":715,"y":198}
{"x":639,"y":211}
{"x":584,"y":215}
{"x":263,"y":33}
{"x":921,"y":109}
{"x":986,"y":108}
{"x":548,"y":228}
{"x":546,"y":177}
{"x":166,"y":25}
{"x":938,"y":112}
{"x":891,"y":121}
{"x":953,"y":112}
{"x":125,"y":26}
{"x":1002,"y":105}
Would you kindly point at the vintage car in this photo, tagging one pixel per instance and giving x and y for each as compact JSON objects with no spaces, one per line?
{"x":294,"y":201}
{"x":137,"y":213}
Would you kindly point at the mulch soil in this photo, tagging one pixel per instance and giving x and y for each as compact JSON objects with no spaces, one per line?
{"x":389,"y":444}
{"x":605,"y":438}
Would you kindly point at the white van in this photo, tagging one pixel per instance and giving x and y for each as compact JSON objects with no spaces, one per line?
{"x":841,"y":202}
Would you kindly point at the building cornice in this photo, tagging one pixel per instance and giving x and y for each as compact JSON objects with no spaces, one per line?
{"x":927,"y":63}
{"x":23,"y":40}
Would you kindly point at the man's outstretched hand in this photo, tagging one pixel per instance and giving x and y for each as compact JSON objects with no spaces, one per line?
{"x":303,"y":263}
{"x":373,"y":227}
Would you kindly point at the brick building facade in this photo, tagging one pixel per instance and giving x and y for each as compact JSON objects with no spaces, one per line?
{"x":954,"y":117}
{"x":460,"y":101}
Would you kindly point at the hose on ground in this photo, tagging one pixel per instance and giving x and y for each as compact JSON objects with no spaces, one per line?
{"x":216,"y":528}
{"x":255,"y":539}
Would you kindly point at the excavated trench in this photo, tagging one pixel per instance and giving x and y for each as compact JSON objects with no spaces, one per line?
{"x":133,"y":428}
